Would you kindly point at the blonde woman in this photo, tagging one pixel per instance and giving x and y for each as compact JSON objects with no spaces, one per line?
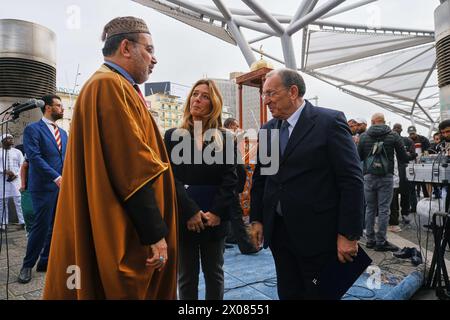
{"x":205,"y":183}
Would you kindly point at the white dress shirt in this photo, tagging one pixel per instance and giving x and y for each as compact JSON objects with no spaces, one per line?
{"x":50,"y":126}
{"x":52,"y":129}
{"x":292,"y":120}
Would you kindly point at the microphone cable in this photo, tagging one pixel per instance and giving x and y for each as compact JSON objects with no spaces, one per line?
{"x":3,"y":129}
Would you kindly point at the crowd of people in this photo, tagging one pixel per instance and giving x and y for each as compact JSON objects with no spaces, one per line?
{"x":130,"y":214}
{"x":390,"y":195}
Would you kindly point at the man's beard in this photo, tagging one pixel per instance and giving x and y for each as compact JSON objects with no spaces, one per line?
{"x":57,"y":116}
{"x":144,"y":75}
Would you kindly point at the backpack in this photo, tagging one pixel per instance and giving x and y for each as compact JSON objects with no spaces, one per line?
{"x":377,"y":162}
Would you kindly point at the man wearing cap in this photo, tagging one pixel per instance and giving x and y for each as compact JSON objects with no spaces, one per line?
{"x":116,"y":221}
{"x":45,"y":146}
{"x":361,"y":125}
{"x":11,"y":160}
{"x":417,"y":138}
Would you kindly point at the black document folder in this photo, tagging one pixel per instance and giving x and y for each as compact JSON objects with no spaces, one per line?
{"x":203,"y":195}
{"x":336,"y":278}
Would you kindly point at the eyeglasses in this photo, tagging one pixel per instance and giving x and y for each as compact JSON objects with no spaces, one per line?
{"x":149,"y":48}
{"x":270,"y":94}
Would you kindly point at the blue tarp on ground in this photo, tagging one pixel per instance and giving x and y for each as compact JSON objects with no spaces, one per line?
{"x":253,"y":277}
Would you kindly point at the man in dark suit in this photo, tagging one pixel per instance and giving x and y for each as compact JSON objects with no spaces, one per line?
{"x":310,"y":211}
{"x":45,"y":146}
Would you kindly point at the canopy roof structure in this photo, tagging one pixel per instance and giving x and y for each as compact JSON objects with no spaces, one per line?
{"x":396,"y":72}
{"x":393,"y":68}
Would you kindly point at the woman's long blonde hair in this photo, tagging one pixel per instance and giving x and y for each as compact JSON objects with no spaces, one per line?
{"x":214,"y":117}
{"x":213,"y":120}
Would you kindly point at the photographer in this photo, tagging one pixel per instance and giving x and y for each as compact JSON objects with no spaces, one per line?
{"x":11,"y":160}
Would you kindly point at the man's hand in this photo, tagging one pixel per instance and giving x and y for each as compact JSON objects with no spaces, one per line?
{"x":212,"y":220}
{"x":11,"y":176}
{"x":195,"y":223}
{"x":346,"y":249}
{"x":256,"y":234}
{"x":58,"y":182}
{"x":159,"y":258}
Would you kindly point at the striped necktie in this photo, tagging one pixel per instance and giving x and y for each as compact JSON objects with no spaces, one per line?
{"x":57,"y":136}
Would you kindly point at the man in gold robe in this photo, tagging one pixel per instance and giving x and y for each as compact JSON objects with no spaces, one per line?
{"x":115,"y":234}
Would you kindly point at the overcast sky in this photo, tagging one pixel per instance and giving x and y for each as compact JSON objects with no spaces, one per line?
{"x":186,"y":54}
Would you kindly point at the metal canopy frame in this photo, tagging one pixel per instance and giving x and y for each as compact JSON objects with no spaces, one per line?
{"x":398,"y":71}
{"x":226,"y":23}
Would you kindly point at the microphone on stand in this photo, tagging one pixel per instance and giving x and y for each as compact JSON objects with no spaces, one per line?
{"x":29,"y":105}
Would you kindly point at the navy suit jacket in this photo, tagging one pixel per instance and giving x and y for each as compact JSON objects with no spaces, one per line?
{"x":319,"y":183}
{"x":46,"y":161}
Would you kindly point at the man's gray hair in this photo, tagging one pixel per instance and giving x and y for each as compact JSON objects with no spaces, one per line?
{"x":378,"y":118}
{"x":290,"y":78}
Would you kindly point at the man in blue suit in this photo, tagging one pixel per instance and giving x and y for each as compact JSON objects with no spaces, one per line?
{"x":45,"y":147}
{"x":310,"y":211}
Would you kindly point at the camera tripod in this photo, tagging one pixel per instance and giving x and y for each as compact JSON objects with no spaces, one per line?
{"x":438,"y":275}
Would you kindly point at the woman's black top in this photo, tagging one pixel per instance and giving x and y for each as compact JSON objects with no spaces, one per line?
{"x":203,"y":186}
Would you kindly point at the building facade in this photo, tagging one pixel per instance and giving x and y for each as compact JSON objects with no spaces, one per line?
{"x":68,"y":99}
{"x":166,"y":109}
{"x":250,"y":100}
{"x":167,"y":100}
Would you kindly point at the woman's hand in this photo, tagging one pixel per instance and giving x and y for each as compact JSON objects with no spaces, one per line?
{"x":195,"y":223}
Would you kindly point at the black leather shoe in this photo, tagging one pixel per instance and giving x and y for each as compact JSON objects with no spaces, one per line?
{"x":386,"y":246}
{"x":25,"y":275}
{"x":404,"y":253}
{"x":370,"y":244}
{"x":253,"y":251}
{"x":41,"y":267}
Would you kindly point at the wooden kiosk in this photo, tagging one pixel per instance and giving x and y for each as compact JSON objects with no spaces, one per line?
{"x":254,"y":78}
